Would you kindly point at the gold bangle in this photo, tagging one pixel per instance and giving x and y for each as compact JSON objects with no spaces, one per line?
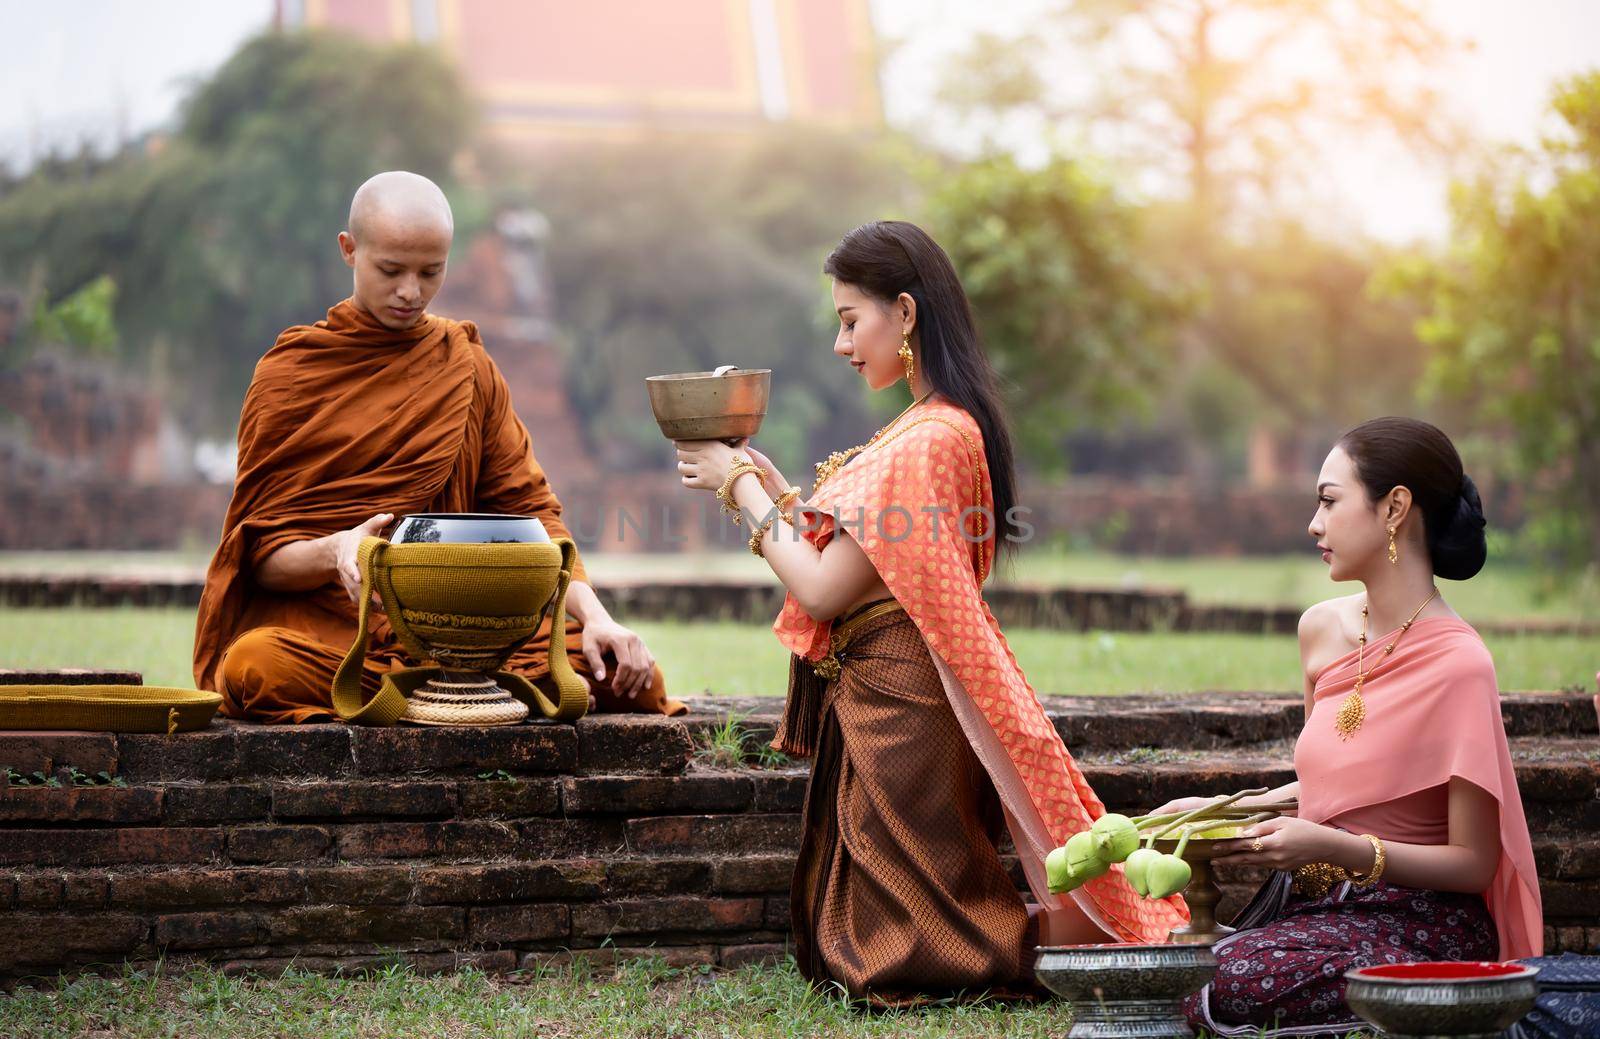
{"x":1380,"y":858}
{"x":725,"y":492}
{"x":760,"y":532}
{"x":785,"y":501}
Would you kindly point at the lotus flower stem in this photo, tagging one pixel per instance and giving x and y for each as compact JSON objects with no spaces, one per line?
{"x":1211,"y":806}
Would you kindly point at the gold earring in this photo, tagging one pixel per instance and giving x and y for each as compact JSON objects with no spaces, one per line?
{"x":1394,"y":553}
{"x":905,"y":356}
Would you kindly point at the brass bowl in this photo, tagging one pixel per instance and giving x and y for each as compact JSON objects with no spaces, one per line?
{"x":708,"y":405}
{"x":1203,"y":892}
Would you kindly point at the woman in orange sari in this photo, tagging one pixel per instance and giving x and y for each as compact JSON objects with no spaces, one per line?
{"x":926,"y":737}
{"x":1410,"y":842}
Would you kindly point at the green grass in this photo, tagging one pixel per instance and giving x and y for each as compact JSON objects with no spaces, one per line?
{"x":1504,"y":591}
{"x":746,"y":659}
{"x":640,"y":999}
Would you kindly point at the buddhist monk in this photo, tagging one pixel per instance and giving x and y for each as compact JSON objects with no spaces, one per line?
{"x":379,"y":410}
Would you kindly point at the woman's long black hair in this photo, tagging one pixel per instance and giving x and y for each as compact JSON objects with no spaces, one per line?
{"x":888,"y":257}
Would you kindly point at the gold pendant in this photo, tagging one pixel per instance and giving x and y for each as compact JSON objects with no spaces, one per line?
{"x":1352,"y":712}
{"x":828,"y":667}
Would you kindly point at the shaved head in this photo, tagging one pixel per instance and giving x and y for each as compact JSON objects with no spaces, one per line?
{"x":399,"y":200}
{"x":397,"y":243}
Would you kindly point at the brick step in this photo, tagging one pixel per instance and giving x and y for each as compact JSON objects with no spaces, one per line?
{"x":537,"y":907}
{"x":1144,"y":728}
{"x":296,"y":818}
{"x":1212,"y":720}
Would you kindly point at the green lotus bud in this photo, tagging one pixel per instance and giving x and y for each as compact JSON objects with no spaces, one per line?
{"x":1082,"y":860}
{"x":1137,"y":869}
{"x":1057,"y":874}
{"x":1166,"y":875}
{"x":1115,"y":837}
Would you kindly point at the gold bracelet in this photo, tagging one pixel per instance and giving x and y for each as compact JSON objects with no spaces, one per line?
{"x":1315,"y":878}
{"x":761,"y":532}
{"x":1379,"y":859}
{"x":784,"y":502}
{"x":725,"y":492}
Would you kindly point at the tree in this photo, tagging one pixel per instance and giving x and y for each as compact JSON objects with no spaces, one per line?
{"x":223,"y":234}
{"x":84,"y":319}
{"x":1214,"y":104}
{"x":1513,"y":316}
{"x":1052,"y":262}
{"x":1223,"y":96}
{"x":666,"y":258}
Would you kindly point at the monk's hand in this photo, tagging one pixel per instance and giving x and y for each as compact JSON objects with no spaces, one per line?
{"x":346,"y":544}
{"x":1283,"y":843}
{"x":704,"y":464}
{"x":635,"y":664}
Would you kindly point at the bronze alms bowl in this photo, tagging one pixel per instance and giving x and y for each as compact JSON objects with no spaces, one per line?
{"x":462,"y":593}
{"x":727,"y":404}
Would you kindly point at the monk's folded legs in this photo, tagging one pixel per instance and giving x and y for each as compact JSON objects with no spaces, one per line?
{"x":279,"y":676}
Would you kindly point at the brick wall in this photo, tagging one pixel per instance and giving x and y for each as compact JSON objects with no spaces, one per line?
{"x":251,"y":846}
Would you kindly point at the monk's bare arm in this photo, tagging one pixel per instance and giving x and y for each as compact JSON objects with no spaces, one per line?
{"x":583,"y":605}
{"x":824,"y":582}
{"x":299,"y":566}
{"x":302,"y":566}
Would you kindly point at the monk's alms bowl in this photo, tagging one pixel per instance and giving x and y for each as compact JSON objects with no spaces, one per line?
{"x":727,"y":404}
{"x":1452,"y":998}
{"x":463,"y":592}
{"x":478,"y":528}
{"x":1121,"y":990}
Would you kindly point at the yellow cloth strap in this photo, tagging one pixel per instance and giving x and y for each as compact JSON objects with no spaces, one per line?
{"x":389,"y":703}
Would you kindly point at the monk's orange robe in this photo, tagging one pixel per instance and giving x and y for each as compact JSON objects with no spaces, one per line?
{"x":345,"y":419}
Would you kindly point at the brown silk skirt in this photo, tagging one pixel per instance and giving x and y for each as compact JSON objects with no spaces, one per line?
{"x":899,"y":893}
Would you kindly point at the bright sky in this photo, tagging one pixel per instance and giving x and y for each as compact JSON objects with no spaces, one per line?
{"x":104,"y":69}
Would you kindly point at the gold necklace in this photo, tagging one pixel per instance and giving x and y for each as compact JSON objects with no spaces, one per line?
{"x":835,"y":461}
{"x":1353,"y":711}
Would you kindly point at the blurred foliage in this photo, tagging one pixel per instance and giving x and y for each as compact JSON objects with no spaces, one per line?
{"x":223,"y":234}
{"x":1228,"y":97}
{"x":671,"y":257}
{"x":85,"y":319}
{"x":1072,"y":317}
{"x":1145,"y":336}
{"x":1215,"y":104}
{"x":1513,"y":317}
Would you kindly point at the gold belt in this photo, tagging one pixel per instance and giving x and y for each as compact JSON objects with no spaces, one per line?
{"x":829,"y":666}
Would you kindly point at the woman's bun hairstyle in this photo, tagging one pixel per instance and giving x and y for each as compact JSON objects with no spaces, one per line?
{"x":1405,"y":452}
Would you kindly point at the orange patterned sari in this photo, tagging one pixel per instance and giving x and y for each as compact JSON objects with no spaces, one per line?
{"x":911,"y":500}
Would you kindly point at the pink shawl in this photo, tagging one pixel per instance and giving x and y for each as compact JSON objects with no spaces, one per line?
{"x":1432,"y":713}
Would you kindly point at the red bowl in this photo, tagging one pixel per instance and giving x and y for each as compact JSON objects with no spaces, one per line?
{"x":1442,"y":998}
{"x":1443,"y":970}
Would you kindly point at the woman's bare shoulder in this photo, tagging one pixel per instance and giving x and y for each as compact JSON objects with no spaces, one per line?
{"x":1324,"y":631}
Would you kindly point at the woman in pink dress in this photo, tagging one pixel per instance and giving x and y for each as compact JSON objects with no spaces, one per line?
{"x":1410,"y":843}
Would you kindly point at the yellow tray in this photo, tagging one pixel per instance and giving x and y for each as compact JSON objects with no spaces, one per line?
{"x":106,"y":708}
